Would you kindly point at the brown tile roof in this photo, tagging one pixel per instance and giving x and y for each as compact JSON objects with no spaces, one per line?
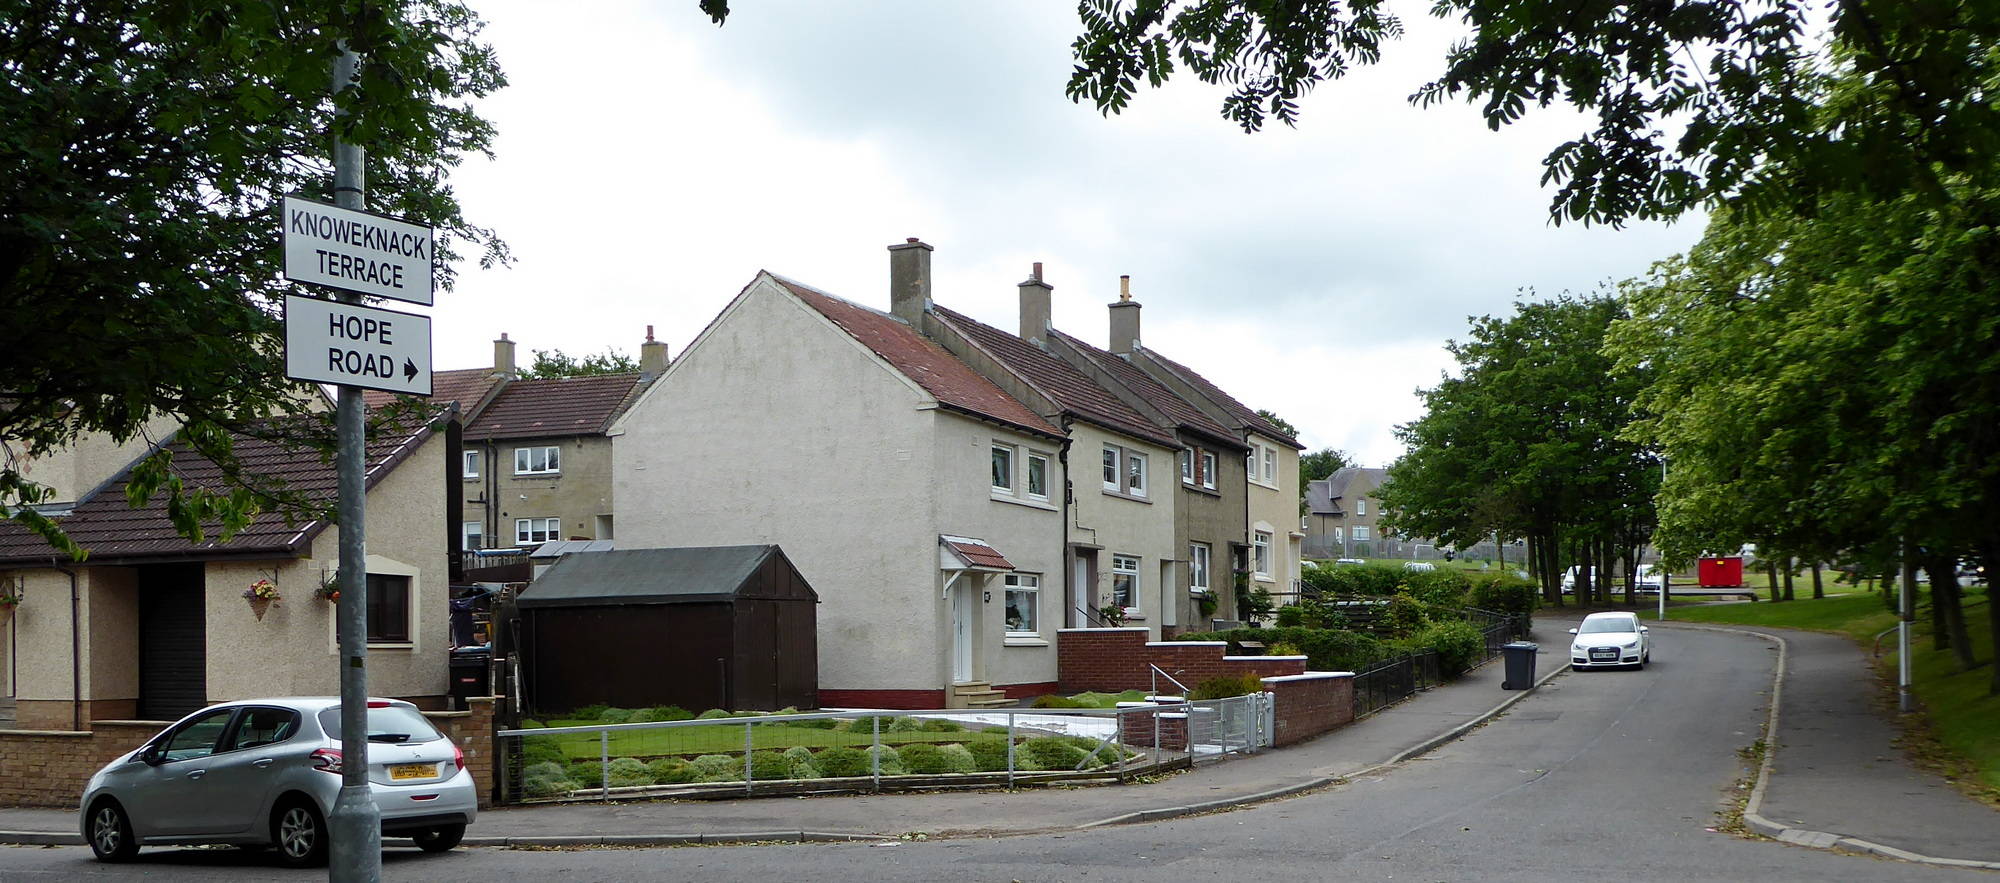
{"x":952,"y":382}
{"x":1152,"y":392}
{"x":555,"y":406}
{"x":469,"y":387}
{"x":1074,"y":392}
{"x":112,"y":530}
{"x":976,"y":552}
{"x":1228,"y":403}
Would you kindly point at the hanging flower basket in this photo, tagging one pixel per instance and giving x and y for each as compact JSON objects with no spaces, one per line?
{"x":262,"y":595}
{"x":8,"y":601}
{"x":329,"y":587}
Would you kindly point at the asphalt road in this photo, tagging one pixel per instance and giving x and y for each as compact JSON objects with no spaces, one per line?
{"x":1608,"y":775}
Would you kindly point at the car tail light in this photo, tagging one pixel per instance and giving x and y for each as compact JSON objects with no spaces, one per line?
{"x":326,"y":760}
{"x":458,"y":756}
{"x":378,"y":703}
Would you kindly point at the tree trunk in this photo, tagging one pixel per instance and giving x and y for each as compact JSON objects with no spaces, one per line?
{"x":1819,"y":590}
{"x":1948,"y":609}
{"x":1790,"y":565}
{"x":1772,"y":569}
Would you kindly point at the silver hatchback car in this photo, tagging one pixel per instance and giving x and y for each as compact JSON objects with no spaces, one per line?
{"x":266,"y":772}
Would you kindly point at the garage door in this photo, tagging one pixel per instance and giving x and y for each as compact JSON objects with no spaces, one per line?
{"x":173,"y":642}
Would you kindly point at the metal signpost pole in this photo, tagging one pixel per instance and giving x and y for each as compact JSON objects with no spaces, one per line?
{"x":1907,"y":614}
{"x":356,"y":824}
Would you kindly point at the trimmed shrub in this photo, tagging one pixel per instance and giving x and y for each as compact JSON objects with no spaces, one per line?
{"x":801,"y":759}
{"x":890,"y":759}
{"x":902,"y":725}
{"x":587,"y":773}
{"x":941,"y":725}
{"x":1225,"y":686}
{"x":1291,"y":616}
{"x":958,"y":758}
{"x":1054,"y":701}
{"x":1405,"y":615}
{"x":717,"y":768}
{"x":712,"y":714}
{"x":670,"y":771}
{"x":923,"y":758}
{"x":616,"y":715}
{"x":542,"y":749}
{"x":532,"y":724}
{"x":1443,"y":587}
{"x":818,"y":723}
{"x":629,"y":771}
{"x":1052,"y":753}
{"x":659,"y":713}
{"x":546,"y":780}
{"x":588,"y":712}
{"x":768,"y":765}
{"x":841,"y":762}
{"x":1505,"y":594}
{"x":1459,"y":644}
{"x":1325,"y":649}
{"x":989,"y":755}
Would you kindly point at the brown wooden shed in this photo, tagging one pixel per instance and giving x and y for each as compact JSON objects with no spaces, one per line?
{"x":730,"y":627}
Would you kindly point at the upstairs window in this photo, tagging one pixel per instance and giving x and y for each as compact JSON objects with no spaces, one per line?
{"x":1135,"y":474}
{"x":1111,"y":461}
{"x":1187,"y":466}
{"x":471,"y":469}
{"x":535,"y":531}
{"x":537,"y":461}
{"x":1003,"y":469}
{"x":1208,"y":466}
{"x":1361,"y":507}
{"x":1038,"y":476}
{"x":1271,"y":465}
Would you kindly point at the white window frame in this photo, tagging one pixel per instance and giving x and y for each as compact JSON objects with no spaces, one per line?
{"x":1361,"y":506}
{"x":470,"y":467}
{"x":1187,"y":466}
{"x":1135,"y":468}
{"x":1260,"y":556}
{"x":1114,"y":462}
{"x":550,"y":455}
{"x":1210,"y":465}
{"x":525,"y":530}
{"x":1028,"y":475}
{"x":1270,"y":464}
{"x":1200,"y":558}
{"x":1132,"y":571}
{"x":1008,"y":451}
{"x":1029,"y":584}
{"x":471,"y":536}
{"x":1361,"y":533}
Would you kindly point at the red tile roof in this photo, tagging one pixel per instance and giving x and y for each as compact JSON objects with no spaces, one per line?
{"x":1243,"y":414}
{"x":976,"y":552}
{"x":1074,"y":392}
{"x":112,"y":530}
{"x":469,"y":387}
{"x":952,"y":382}
{"x":1151,"y":391}
{"x":553,"y":407}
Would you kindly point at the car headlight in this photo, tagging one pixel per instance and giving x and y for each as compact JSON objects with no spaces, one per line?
{"x":1630,"y":644}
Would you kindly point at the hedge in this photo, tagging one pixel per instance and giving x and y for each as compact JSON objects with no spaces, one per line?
{"x":1325,"y":649}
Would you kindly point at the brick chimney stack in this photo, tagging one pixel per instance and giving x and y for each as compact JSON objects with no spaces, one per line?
{"x":652,"y":357}
{"x":1124,"y":319}
{"x":503,"y":356}
{"x":1035,"y":305}
{"x":910,"y":280}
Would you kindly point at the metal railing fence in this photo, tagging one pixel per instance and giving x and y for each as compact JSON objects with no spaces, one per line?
{"x":1393,"y":679}
{"x":873,"y":750}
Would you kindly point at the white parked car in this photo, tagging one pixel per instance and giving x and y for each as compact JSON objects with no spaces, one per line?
{"x":265,"y":772}
{"x":1610,"y":639}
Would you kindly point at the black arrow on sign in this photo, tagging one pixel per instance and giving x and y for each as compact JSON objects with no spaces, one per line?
{"x":409,"y":370}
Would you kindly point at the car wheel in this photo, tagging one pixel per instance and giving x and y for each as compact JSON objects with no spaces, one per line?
{"x":111,"y":833}
{"x":439,"y":839}
{"x":300,"y":832}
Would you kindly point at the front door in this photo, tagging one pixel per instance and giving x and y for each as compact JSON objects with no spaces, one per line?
{"x":961,"y":630}
{"x":173,"y":641}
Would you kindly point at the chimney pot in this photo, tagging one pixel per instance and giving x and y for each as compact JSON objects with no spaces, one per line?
{"x":1035,"y":306}
{"x":1125,"y":288}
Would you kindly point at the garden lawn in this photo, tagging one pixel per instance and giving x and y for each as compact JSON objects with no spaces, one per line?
{"x":726,"y":739}
{"x":1963,"y":716}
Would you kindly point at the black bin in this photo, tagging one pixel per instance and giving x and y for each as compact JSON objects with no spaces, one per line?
{"x":469,"y":676}
{"x":1520,"y":657}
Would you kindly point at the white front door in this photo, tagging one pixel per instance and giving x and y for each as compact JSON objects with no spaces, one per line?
{"x":961,"y":630}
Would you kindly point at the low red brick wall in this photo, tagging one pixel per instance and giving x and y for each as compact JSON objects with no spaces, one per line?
{"x":1113,"y":660}
{"x":1027,"y":691}
{"x":472,"y":731}
{"x":1306,"y":705}
{"x":50,"y":767}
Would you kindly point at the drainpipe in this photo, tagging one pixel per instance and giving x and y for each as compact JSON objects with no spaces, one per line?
{"x":75,"y":650}
{"x":1068,"y":554}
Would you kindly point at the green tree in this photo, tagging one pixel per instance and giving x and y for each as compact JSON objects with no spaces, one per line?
{"x":1757,"y":113}
{"x":1279,"y":422}
{"x":1525,"y":442}
{"x":145,"y":147}
{"x":556,"y":363}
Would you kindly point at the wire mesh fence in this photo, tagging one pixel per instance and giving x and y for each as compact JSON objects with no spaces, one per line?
{"x":753,"y":754}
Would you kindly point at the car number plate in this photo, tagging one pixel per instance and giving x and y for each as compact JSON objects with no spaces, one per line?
{"x":413,"y":771}
{"x":1603,"y":653}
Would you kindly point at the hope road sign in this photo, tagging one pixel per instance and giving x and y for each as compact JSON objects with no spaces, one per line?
{"x":353,"y":345}
{"x":356,"y":251}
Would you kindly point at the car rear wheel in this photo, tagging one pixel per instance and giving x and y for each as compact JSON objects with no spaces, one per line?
{"x":111,"y":833}
{"x":439,"y":839}
{"x":300,"y":832}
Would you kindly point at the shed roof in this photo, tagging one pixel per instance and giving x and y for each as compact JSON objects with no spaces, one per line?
{"x":690,"y":575}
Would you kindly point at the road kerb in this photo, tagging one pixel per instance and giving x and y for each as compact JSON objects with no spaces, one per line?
{"x":1317,"y":782}
{"x":1752,"y":815}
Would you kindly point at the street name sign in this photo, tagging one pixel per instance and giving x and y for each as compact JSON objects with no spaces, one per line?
{"x":356,"y":251}
{"x":353,"y":345}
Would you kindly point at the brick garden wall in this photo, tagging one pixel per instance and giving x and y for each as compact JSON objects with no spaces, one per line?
{"x":1309,"y":704}
{"x":1113,"y":660}
{"x":472,"y":731}
{"x":50,"y":767}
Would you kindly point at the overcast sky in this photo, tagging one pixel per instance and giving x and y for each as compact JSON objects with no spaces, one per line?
{"x":649,"y":164}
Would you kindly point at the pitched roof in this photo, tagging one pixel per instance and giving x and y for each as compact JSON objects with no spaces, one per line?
{"x":1074,"y":392}
{"x":1337,"y":485}
{"x":651,"y":576}
{"x":976,"y":553}
{"x":1320,"y":498}
{"x":469,"y":387}
{"x":555,"y":406}
{"x":113,"y":530}
{"x":1151,"y":391}
{"x":952,"y":382}
{"x":1242,"y":413}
